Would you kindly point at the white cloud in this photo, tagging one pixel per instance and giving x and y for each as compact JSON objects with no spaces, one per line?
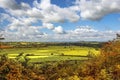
{"x":44,"y":11}
{"x":9,"y":4}
{"x":92,"y":9}
{"x":35,"y":13}
{"x":83,"y":33}
{"x":13,"y":5}
{"x":24,"y":6}
{"x":48,"y":25}
{"x":53,"y":13}
{"x":59,"y":30}
{"x":21,"y":22}
{"x":23,"y":33}
{"x":22,"y":16}
{"x":88,"y":33}
{"x":96,"y":9}
{"x":84,"y":29}
{"x":4,"y":16}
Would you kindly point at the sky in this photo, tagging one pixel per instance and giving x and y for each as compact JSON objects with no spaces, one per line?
{"x":59,"y":20}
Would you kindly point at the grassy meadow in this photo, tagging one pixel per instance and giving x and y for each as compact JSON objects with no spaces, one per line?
{"x":52,"y":53}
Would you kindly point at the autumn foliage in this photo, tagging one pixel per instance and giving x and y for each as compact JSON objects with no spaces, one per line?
{"x":111,"y":48}
{"x":11,"y":69}
{"x":105,"y":66}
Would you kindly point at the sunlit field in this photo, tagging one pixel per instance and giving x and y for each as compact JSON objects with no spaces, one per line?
{"x":52,"y":53}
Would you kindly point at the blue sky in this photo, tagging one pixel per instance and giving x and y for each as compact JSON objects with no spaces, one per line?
{"x":59,"y":20}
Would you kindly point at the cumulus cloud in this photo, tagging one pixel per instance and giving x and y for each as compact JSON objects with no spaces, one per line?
{"x":13,"y":5}
{"x":96,"y":9}
{"x":53,"y":13}
{"x":23,"y":33}
{"x":83,"y":33}
{"x":88,"y":9}
{"x":21,"y":17}
{"x":9,"y":4}
{"x":59,"y":30}
{"x":47,"y":13}
{"x":87,"y":33}
{"x":48,"y":25}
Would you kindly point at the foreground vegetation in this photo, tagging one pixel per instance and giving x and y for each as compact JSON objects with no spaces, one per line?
{"x":105,"y":66}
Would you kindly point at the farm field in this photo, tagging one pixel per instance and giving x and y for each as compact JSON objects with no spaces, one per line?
{"x":51,"y":53}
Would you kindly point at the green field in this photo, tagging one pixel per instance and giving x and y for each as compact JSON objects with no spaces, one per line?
{"x":52,"y":53}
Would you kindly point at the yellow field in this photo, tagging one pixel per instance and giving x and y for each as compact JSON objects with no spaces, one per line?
{"x":51,"y":52}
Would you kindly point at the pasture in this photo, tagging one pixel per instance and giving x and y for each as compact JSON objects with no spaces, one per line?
{"x":52,"y":53}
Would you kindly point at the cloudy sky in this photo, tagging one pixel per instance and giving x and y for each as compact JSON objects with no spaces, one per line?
{"x":59,"y":20}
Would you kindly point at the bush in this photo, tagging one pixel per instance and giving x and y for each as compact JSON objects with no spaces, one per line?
{"x":13,"y":70}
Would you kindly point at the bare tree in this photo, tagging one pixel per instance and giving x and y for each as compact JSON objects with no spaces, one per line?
{"x":118,"y":35}
{"x":1,"y":37}
{"x":1,"y":34}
